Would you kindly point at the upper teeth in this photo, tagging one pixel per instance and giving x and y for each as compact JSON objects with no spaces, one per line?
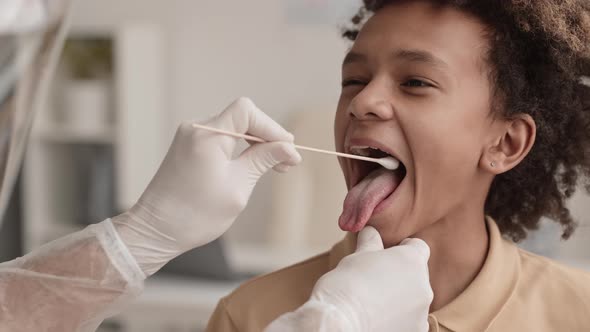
{"x":388,"y":162}
{"x":364,"y":151}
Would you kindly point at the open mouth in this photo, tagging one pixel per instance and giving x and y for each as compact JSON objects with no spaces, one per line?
{"x":371,"y":187}
{"x":363,"y":168}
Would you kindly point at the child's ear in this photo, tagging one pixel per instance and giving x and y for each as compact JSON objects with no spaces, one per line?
{"x":515,"y":140}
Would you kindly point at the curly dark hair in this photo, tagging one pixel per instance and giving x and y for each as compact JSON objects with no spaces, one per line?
{"x":539,"y":51}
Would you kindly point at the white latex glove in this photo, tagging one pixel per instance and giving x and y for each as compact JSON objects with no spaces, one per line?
{"x":200,"y":189}
{"x":374,"y":289}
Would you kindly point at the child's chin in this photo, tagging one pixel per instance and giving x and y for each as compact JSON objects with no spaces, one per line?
{"x":389,"y":230}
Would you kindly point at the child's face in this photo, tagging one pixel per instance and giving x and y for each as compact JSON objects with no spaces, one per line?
{"x":416,"y":84}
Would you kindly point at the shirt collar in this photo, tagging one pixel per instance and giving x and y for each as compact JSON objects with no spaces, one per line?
{"x":487,"y":293}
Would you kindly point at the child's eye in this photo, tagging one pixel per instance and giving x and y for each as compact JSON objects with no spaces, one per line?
{"x":352,"y":82}
{"x":415,"y":83}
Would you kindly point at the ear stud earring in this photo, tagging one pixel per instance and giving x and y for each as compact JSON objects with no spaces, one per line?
{"x":493,"y":164}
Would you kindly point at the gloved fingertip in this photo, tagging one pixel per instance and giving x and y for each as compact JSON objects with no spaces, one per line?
{"x":297,"y":158}
{"x":262,"y":157}
{"x":290,"y":137}
{"x":282,"y":168}
{"x":369,"y":239}
{"x":244,"y":102}
{"x":292,"y":157}
{"x":186,"y":127}
{"x":420,"y":245}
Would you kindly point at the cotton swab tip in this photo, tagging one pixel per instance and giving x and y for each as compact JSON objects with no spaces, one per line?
{"x":389,"y":163}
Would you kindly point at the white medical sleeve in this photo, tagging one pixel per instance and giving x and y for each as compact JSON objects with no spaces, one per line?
{"x":313,"y":316}
{"x":69,"y":285}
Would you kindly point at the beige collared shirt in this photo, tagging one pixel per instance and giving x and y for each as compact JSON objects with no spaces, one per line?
{"x":514,"y":291}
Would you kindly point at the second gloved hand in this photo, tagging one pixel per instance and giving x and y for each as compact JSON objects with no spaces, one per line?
{"x":200,"y":188}
{"x":373,"y":289}
{"x":380,"y":289}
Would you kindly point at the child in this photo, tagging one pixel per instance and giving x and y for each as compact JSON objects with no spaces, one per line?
{"x":481,"y":102}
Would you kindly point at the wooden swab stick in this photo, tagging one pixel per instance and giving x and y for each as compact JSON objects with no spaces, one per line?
{"x":387,"y":162}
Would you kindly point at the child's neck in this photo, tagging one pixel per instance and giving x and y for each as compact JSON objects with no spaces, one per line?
{"x":458,"y":249}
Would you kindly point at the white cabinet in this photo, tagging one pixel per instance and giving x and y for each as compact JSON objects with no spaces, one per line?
{"x":142,"y":110}
{"x":120,"y":156}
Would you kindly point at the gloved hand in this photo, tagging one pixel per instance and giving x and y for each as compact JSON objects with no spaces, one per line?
{"x":200,"y":188}
{"x":374,"y":289}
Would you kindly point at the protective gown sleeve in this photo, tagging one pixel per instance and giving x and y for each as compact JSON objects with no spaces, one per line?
{"x":71,"y":284}
{"x":312,"y":316}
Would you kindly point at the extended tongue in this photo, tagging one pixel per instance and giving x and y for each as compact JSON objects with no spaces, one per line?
{"x":363,"y":198}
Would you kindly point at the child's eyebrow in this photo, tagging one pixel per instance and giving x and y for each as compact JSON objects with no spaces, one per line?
{"x":411,"y":55}
{"x":353,"y":57}
{"x":420,"y":56}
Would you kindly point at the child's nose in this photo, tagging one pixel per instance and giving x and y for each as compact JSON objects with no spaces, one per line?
{"x":372,"y":103}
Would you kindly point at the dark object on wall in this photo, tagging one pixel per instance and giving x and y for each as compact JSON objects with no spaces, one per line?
{"x":206,"y":262}
{"x":10,"y":231}
{"x":96,"y":182}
